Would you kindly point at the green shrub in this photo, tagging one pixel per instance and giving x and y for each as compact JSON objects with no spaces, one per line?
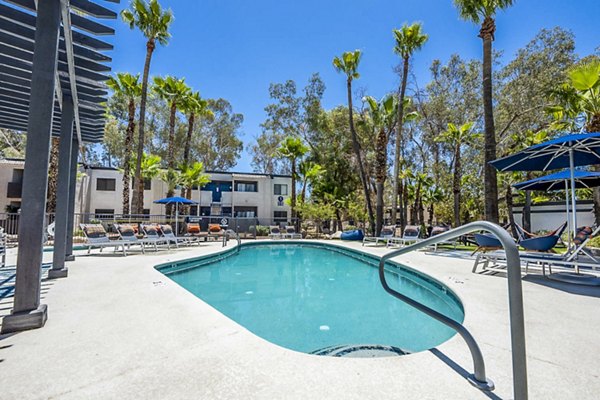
{"x":594,"y":242}
{"x":262,"y":230}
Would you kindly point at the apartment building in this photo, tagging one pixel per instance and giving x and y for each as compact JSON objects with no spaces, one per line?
{"x":100,"y":189}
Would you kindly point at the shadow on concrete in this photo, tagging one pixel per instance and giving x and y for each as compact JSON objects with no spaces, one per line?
{"x":582,"y":290}
{"x":460,"y":370}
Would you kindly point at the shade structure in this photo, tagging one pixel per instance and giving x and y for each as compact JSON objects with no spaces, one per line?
{"x":571,"y":150}
{"x":556,"y":181}
{"x":176,"y":200}
{"x":554,"y":154}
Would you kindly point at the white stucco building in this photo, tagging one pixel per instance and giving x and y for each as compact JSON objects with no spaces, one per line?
{"x":99,"y":191}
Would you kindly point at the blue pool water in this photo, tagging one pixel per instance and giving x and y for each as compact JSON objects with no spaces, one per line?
{"x":307,"y":297}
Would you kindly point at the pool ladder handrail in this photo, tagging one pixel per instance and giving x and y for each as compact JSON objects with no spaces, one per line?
{"x":515,"y":294}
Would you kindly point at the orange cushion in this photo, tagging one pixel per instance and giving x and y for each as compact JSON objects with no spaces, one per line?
{"x":193,"y":228}
{"x":214,"y":228}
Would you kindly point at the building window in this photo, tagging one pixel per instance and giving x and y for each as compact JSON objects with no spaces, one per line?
{"x":17,"y":175}
{"x":280,"y":189}
{"x":103,"y":213}
{"x":105,"y":184}
{"x":280,"y":216}
{"x":147,"y":184}
{"x":246,"y":212}
{"x":205,"y":211}
{"x":246,"y":186}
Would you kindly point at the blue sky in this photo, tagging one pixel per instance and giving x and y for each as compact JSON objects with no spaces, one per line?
{"x":234,"y":49}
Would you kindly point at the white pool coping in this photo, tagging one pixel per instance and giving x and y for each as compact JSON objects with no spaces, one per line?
{"x":117,"y":328}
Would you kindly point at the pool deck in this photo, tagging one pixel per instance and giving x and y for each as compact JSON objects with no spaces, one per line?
{"x":117,"y":328}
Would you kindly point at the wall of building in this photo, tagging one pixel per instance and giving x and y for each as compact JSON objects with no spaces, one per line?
{"x":550,"y":216}
{"x":7,"y":167}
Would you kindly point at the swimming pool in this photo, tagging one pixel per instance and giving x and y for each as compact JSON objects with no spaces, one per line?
{"x":318,"y":298}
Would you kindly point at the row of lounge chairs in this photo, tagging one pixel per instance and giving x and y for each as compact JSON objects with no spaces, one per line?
{"x":289,"y":232}
{"x":411,"y":234}
{"x":146,"y":235}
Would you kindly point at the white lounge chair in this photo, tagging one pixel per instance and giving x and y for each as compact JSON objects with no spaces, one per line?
{"x":412,"y":234}
{"x":275,"y":232}
{"x":127,"y":233}
{"x":387,"y":232}
{"x":290,"y":232}
{"x":167,"y":233}
{"x":96,"y":237}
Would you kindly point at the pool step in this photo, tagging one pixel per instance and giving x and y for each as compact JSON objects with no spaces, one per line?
{"x":361,"y":351}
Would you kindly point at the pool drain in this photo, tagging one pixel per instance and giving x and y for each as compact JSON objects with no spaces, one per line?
{"x":361,"y":351}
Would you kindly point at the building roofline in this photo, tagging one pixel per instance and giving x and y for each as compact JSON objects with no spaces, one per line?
{"x":208,"y":172}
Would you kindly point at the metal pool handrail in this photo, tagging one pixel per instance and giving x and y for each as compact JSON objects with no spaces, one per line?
{"x":515,"y":298}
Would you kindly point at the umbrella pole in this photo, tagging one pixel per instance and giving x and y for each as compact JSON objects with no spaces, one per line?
{"x":569,"y":227}
{"x":176,"y":219}
{"x":573,"y":199}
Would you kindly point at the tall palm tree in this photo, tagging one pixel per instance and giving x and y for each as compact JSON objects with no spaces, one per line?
{"x":409,"y":39}
{"x":457,"y":137}
{"x":348,"y":64}
{"x":431,"y":197}
{"x":193,"y":106}
{"x":292,"y":148}
{"x":174,"y":91}
{"x":483,"y":12}
{"x":172,"y":178}
{"x":382,"y":117}
{"x":153,"y":22}
{"x":128,"y":87}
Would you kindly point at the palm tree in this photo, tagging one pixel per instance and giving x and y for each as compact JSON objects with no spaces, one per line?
{"x":174,"y":91}
{"x":292,"y":148}
{"x":483,"y":12}
{"x":409,"y":39}
{"x":172,"y":178}
{"x":580,"y":97}
{"x":457,"y":137}
{"x":154,"y":24}
{"x":432,"y":196}
{"x":422,"y":183}
{"x":127,"y":86}
{"x":192,"y":175}
{"x":348,"y":64}
{"x":383,"y":118}
{"x":193,"y":106}
{"x":309,"y":172}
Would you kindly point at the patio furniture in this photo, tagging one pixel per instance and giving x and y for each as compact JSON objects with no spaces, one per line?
{"x":386,"y":233}
{"x":542,"y":243}
{"x":275,"y":232}
{"x":127,"y":233}
{"x":412,"y":234}
{"x":438,"y":229}
{"x":356,"y":234}
{"x":167,"y":232}
{"x":290,"y":232}
{"x":96,"y":236}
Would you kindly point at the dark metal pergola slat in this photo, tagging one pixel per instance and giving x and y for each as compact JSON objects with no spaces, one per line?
{"x":52,"y":82}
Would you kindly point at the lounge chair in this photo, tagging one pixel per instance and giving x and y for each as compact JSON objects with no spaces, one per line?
{"x":167,"y":232}
{"x":412,"y":234}
{"x":290,"y":232}
{"x":386,"y":233}
{"x":275,"y":232}
{"x":543,"y":243}
{"x":127,"y":233}
{"x":438,"y":229}
{"x":584,"y":234}
{"x":96,"y":236}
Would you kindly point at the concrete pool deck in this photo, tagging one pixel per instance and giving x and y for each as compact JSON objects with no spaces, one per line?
{"x":117,"y":328}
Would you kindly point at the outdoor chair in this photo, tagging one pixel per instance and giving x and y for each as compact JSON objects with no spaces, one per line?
{"x":96,"y":236}
{"x":412,"y":234}
{"x":275,"y":232}
{"x":543,"y":243}
{"x":387,"y":232}
{"x":584,"y":235}
{"x":127,"y":233}
{"x":438,"y":229}
{"x":167,"y":233}
{"x":290,"y":232}
{"x":153,"y":231}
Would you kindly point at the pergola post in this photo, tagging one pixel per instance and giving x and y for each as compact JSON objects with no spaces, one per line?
{"x":27,"y":311}
{"x":62,"y":190}
{"x":71,"y":212}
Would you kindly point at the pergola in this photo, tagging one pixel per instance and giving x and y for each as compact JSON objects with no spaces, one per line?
{"x":52,"y":82}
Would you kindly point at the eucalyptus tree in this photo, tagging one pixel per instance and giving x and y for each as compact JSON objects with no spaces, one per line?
{"x":382,"y":116}
{"x":348,"y":65}
{"x":128,"y":87}
{"x":174,"y":91}
{"x":293,"y":149}
{"x":153,"y":22}
{"x":483,"y":12}
{"x":457,"y":137}
{"x":409,"y":39}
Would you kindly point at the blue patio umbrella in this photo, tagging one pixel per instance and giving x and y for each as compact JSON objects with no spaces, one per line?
{"x":176,"y":200}
{"x":567,"y":151}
